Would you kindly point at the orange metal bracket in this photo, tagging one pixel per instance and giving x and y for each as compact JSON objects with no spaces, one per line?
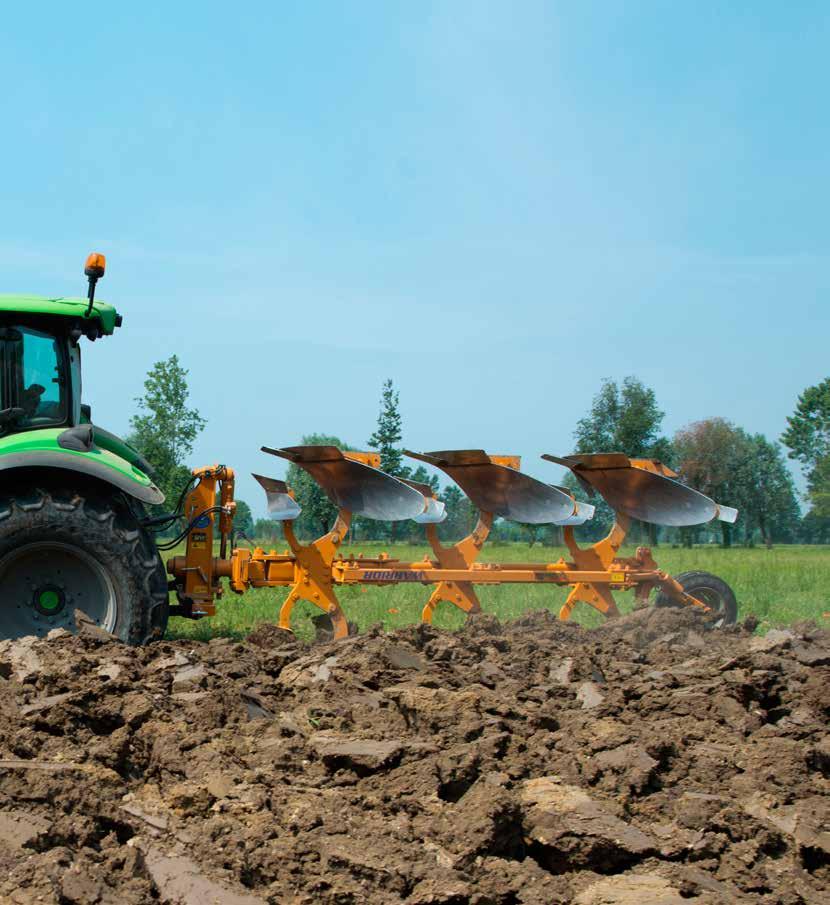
{"x":461,"y":555}
{"x":313,"y":574}
{"x":598,"y":557}
{"x":201,"y":584}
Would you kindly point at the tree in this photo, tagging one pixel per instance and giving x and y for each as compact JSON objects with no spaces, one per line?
{"x":815,"y":529}
{"x":268,"y":531}
{"x":165,"y":428}
{"x":244,"y":519}
{"x":421,"y":476}
{"x":714,"y":457}
{"x":533,"y":533}
{"x":820,"y":488}
{"x":769,"y":493}
{"x":386,"y":438}
{"x":623,"y":419}
{"x":808,"y":439}
{"x":388,"y":433}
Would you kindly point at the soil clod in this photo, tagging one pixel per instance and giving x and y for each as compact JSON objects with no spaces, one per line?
{"x":526,"y":763}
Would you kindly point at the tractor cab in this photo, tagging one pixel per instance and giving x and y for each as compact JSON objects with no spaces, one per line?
{"x":40,"y":356}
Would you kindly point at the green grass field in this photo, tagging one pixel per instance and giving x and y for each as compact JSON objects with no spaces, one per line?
{"x":779,"y":586}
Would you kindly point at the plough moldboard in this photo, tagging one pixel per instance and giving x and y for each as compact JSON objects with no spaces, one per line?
{"x":643,"y":489}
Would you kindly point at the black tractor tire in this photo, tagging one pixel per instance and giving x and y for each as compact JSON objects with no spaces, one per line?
{"x":64,"y":549}
{"x":708,"y":589}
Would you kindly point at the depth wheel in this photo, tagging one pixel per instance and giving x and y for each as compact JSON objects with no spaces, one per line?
{"x":62,"y":550}
{"x":708,"y":589}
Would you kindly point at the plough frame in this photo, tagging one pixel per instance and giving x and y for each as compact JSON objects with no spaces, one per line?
{"x":313,"y":571}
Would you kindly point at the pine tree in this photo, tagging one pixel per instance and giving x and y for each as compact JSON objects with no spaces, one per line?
{"x":388,"y":434}
{"x":422,"y":476}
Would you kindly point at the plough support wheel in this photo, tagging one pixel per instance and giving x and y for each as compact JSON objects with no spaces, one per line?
{"x":711,"y":591}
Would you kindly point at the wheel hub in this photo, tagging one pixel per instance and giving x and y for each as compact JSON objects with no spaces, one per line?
{"x":45,"y":582}
{"x":49,"y":600}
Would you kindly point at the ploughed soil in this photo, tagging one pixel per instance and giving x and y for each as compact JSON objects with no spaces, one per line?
{"x":649,"y":762}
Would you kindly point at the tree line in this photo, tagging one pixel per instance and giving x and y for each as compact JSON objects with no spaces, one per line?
{"x":721,"y":459}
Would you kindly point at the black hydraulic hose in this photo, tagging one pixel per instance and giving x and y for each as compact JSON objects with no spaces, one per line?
{"x":165,"y":520}
{"x":177,"y":540}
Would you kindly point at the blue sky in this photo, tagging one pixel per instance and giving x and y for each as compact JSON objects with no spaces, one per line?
{"x":495,"y":204}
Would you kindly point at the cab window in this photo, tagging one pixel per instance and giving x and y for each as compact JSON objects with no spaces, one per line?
{"x":38,"y":380}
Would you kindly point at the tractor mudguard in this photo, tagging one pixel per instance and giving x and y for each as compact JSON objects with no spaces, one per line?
{"x":114,"y":444}
{"x":40,"y":449}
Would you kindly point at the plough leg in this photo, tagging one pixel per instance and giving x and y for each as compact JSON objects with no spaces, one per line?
{"x":596,"y":595}
{"x":312,"y":575}
{"x":598,"y":557}
{"x":458,"y":593}
{"x":459,"y":556}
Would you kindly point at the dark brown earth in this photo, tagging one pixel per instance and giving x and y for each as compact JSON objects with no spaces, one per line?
{"x":649,"y":761}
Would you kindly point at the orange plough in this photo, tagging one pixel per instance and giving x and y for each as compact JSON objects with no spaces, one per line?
{"x":641,"y":489}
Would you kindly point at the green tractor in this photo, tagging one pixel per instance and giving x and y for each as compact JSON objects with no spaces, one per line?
{"x":73,"y":520}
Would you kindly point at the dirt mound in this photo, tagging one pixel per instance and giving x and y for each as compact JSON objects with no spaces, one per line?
{"x":649,"y":761}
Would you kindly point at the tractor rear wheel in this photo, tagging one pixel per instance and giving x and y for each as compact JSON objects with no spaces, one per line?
{"x":64,"y":549}
{"x":708,"y":589}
